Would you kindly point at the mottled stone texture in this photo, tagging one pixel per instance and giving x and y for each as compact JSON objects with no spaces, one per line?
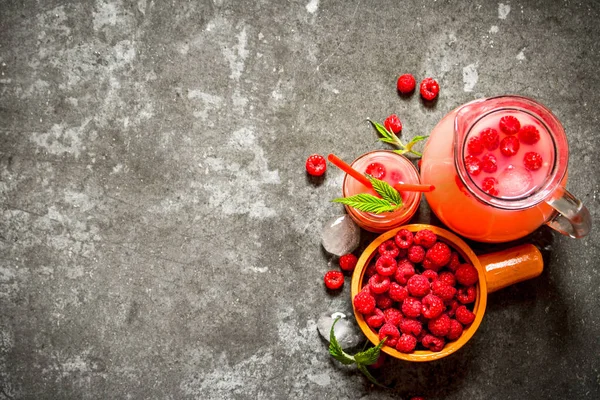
{"x":159,"y":238}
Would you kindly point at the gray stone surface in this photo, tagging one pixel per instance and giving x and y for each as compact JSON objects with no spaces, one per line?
{"x":159,"y":238}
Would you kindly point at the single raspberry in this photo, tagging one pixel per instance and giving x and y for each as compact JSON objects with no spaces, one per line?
{"x":451,"y":307}
{"x":488,"y":185}
{"x":379,"y":284}
{"x":383,"y":301}
{"x":406,"y":83}
{"x":366,"y":289}
{"x":455,"y":331}
{"x":490,"y":138}
{"x":439,"y":254}
{"x":489,"y":163}
{"x":392,"y":316}
{"x":509,"y":146}
{"x":454,"y":262}
{"x":334,"y":280}
{"x":316,"y":165}
{"x":397,"y":292}
{"x":473,"y":165}
{"x":425,"y":238}
{"x":392,"y":333}
{"x":406,"y":343}
{"x":447,"y":277}
{"x":529,"y":134}
{"x":412,"y":326}
{"x":348,"y":262}
{"x":386,"y":265}
{"x":375,"y":319}
{"x":443,"y":290}
{"x":411,"y":307}
{"x":404,"y":238}
{"x":430,"y":274}
{"x":433,"y":343}
{"x":429,"y":89}
{"x":432,"y":307}
{"x":371,"y":270}
{"x":466,"y":275}
{"x":439,"y":326}
{"x":532,"y":161}
{"x":404,"y":271}
{"x":364,"y":303}
{"x":475,"y":146}
{"x":464,"y":315}
{"x":418,"y":286}
{"x":376,"y":170}
{"x":509,"y":124}
{"x":416,"y":254}
{"x":466,"y":295}
{"x":388,"y":248}
{"x":393,"y":124}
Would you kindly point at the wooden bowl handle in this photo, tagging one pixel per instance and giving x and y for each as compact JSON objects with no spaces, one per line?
{"x":506,"y":267}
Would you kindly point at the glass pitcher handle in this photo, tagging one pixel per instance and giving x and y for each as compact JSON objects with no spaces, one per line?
{"x":573,"y":218}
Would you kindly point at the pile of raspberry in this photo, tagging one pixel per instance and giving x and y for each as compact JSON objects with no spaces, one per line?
{"x":417,"y":292}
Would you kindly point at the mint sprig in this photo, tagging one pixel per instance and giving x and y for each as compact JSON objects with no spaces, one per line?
{"x":361,"y":359}
{"x":390,"y":198}
{"x":391,"y":138}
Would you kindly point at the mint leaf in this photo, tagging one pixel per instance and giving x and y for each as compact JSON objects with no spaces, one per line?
{"x":366,"y":202}
{"x":366,"y":372}
{"x":371,"y":355}
{"x":386,"y":191}
{"x":336,"y":350}
{"x":414,"y":141}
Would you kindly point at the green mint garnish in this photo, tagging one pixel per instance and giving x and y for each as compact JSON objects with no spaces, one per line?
{"x":390,"y":198}
{"x":391,"y":138}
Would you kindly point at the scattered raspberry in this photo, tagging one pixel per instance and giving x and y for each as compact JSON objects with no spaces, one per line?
{"x":393,"y":124}
{"x":454,"y":262}
{"x":464,"y":316}
{"x":406,"y":343}
{"x":392,"y":316}
{"x":475,"y":146}
{"x":376,"y":319}
{"x":429,"y":89}
{"x":509,"y":125}
{"x":466,"y":275}
{"x":348,"y":262}
{"x":316,"y":165}
{"x":489,"y":163}
{"x":473,"y":165}
{"x":455,"y":331}
{"x":404,"y":271}
{"x":397,"y":292}
{"x":430,"y":274}
{"x":376,"y":170}
{"x":439,"y":326}
{"x":386,"y":265}
{"x":509,"y":146}
{"x":466,"y":295}
{"x":391,"y":332}
{"x":416,"y":254}
{"x":425,"y":238}
{"x":488,"y":185}
{"x":334,"y":280}
{"x":532,"y":161}
{"x":418,"y":286}
{"x":412,"y":326}
{"x":404,"y":238}
{"x":371,"y":270}
{"x":439,"y":254}
{"x":364,"y":303}
{"x":406,"y":83}
{"x":451,"y":308}
{"x":388,"y":248}
{"x":380,"y":361}
{"x":443,"y":290}
{"x":490,"y":138}
{"x":379,"y":284}
{"x":383,"y":301}
{"x":433,"y":343}
{"x":447,"y":277}
{"x":529,"y":134}
{"x":411,"y":307}
{"x":432,"y":307}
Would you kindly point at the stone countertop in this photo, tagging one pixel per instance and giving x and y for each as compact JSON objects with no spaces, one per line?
{"x":159,"y":236}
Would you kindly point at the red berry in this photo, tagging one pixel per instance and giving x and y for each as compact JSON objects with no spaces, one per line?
{"x":418,"y":286}
{"x":404,"y":238}
{"x":454,"y":262}
{"x":383,"y":301}
{"x":425,"y":238}
{"x":371,"y":270}
{"x":466,"y":275}
{"x":532,"y":161}
{"x":397,"y":292}
{"x":406,"y":343}
{"x":509,"y":146}
{"x":392,"y":333}
{"x":464,"y":315}
{"x":417,"y":398}
{"x":456,"y":330}
{"x":412,"y":326}
{"x":386,"y":265}
{"x":447,"y":277}
{"x":475,"y":146}
{"x":439,"y":326}
{"x":411,"y":307}
{"x":393,"y":124}
{"x":388,"y":248}
{"x":406,"y":83}
{"x":451,"y":308}
{"x":529,"y":134}
{"x":376,"y":170}
{"x":392,"y":316}
{"x":376,"y":319}
{"x":334,"y":280}
{"x":316,"y":165}
{"x":433,"y":343}
{"x":466,"y":295}
{"x":488,"y":185}
{"x":443,"y":290}
{"x":348,"y":262}
{"x":416,"y":254}
{"x":364,"y":303}
{"x":429,"y":89}
{"x":490,"y":138}
{"x":439,"y":254}
{"x":404,"y":271}
{"x":489,"y":163}
{"x":432,"y":307}
{"x":430,"y":274}
{"x":473,"y":165}
{"x":379,"y":284}
{"x":366,"y":289}
{"x":509,"y":125}
{"x":380,"y":361}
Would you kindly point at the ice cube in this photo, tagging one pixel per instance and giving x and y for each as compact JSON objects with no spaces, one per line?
{"x":514,"y":181}
{"x":346,"y":330}
{"x":340,"y":236}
